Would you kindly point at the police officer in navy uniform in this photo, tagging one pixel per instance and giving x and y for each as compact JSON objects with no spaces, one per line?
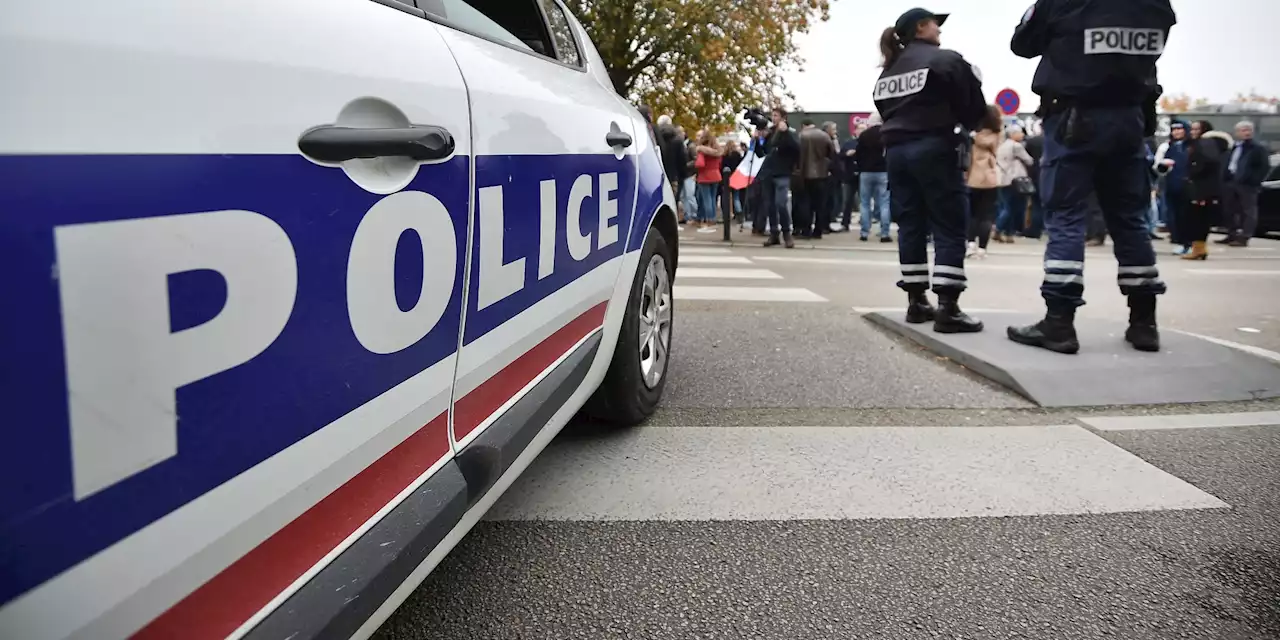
{"x":1098,"y":90}
{"x":924,"y":92}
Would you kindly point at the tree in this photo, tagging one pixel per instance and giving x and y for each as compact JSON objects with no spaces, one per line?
{"x":699,"y":60}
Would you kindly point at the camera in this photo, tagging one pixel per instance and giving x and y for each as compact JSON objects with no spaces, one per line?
{"x":756,"y":117}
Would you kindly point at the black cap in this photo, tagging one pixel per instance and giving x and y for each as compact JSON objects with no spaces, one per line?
{"x":906,"y":25}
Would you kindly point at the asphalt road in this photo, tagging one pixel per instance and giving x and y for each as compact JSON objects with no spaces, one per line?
{"x":811,"y":476}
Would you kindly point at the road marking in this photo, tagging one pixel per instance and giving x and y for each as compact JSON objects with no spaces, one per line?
{"x":837,"y":473}
{"x":727,"y":274}
{"x":865,"y":310}
{"x":747,"y":294}
{"x":703,"y":251}
{"x":1234,"y":272}
{"x":1266,"y":354}
{"x":1200,"y":421}
{"x":714,"y":260}
{"x":980,"y":266}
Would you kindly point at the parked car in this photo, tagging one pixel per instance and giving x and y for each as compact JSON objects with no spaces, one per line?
{"x":294,"y":290}
{"x":1269,"y":200}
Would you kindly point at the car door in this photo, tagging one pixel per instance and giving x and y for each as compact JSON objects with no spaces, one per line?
{"x":555,"y":181}
{"x":233,"y":237}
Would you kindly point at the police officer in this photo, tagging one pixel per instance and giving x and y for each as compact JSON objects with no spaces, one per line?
{"x":1097,"y":85}
{"x":923,"y":94}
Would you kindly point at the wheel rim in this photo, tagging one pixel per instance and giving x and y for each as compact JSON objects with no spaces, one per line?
{"x":655,"y":322}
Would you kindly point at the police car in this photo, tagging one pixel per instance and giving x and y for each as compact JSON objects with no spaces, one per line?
{"x":293,"y":291}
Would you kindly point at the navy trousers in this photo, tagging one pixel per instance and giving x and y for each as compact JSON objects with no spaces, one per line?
{"x":1111,"y":162}
{"x":928,"y":195}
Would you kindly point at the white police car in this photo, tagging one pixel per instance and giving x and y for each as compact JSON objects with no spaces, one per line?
{"x":293,"y":290}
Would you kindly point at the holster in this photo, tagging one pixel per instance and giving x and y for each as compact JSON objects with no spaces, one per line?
{"x":1074,"y":128}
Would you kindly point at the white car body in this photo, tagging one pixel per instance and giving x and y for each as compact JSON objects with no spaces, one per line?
{"x":229,"y":368}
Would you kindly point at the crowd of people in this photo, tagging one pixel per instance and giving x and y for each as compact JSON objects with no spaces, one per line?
{"x":1205,"y":178}
{"x":811,"y":173}
{"x":1201,"y":178}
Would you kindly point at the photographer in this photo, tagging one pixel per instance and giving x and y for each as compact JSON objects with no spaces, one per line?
{"x":780,"y":148}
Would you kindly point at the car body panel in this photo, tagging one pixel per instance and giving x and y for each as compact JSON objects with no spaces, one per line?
{"x":293,"y":452}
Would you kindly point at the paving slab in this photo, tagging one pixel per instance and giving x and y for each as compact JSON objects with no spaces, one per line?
{"x":1107,"y":371}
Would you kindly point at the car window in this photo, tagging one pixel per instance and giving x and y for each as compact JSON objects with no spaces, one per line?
{"x":514,"y":22}
{"x":562,"y":33}
{"x":464,"y":16}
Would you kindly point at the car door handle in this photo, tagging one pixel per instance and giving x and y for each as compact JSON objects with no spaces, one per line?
{"x":617,"y":139}
{"x":332,"y":143}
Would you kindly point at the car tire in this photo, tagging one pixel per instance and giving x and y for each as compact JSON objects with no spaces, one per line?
{"x":638,"y":373}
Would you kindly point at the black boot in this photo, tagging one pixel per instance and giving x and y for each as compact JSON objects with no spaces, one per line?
{"x":1142,"y":332}
{"x":773,"y":240}
{"x":919,"y":309}
{"x":950,"y":319}
{"x":1057,"y":332}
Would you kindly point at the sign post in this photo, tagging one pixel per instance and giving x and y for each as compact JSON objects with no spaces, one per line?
{"x":1008,"y":101}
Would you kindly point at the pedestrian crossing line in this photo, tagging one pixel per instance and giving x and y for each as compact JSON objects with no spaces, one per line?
{"x":703,"y":251}
{"x":841,"y":473}
{"x":725,"y":274}
{"x":893,"y":264}
{"x":866,"y":310}
{"x":696,"y":259}
{"x":1234,"y":272}
{"x":746,"y":294}
{"x":1193,"y":421}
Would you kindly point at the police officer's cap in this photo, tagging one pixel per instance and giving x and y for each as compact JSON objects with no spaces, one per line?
{"x":906,"y":25}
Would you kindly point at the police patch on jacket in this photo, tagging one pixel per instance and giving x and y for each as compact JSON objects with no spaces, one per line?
{"x":903,"y":84}
{"x":1124,"y":40}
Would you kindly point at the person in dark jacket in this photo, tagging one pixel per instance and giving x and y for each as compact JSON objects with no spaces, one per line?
{"x":1204,"y":185}
{"x":816,"y":154}
{"x":732,"y":199}
{"x":849,"y":180}
{"x":675,"y":157}
{"x":1035,"y":148}
{"x":923,"y":94}
{"x":1171,"y":160}
{"x":780,"y":150}
{"x":1244,"y":169}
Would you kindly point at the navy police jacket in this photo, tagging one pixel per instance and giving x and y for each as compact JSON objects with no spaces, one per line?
{"x":926,"y":92}
{"x":1098,"y":53}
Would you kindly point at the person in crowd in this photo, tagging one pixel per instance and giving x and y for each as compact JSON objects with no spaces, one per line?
{"x":873,"y":181}
{"x":1171,"y":161}
{"x":1015,"y":183}
{"x":924,"y":93}
{"x":1098,"y":103}
{"x":1035,"y":148}
{"x":674,"y":160}
{"x":983,"y":179}
{"x":834,"y":196}
{"x":689,"y":188}
{"x":816,"y":153}
{"x":849,"y":178}
{"x":708,"y":179}
{"x":1204,"y":185}
{"x":1245,"y":169}
{"x":780,"y":149}
{"x":733,"y":197}
{"x":1153,"y":213}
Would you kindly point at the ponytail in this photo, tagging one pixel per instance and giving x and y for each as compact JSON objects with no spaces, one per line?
{"x":890,"y":47}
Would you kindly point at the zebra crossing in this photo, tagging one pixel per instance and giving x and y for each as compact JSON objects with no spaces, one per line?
{"x":715,"y":274}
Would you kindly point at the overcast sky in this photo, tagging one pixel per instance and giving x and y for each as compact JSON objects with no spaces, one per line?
{"x":1218,"y":48}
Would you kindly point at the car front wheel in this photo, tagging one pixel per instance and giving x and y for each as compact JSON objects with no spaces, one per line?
{"x":638,"y":372}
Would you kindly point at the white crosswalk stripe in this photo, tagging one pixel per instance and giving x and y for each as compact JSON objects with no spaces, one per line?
{"x":725,"y":274}
{"x":853,"y":473}
{"x":721,"y":265}
{"x":696,"y":259}
{"x":747,"y":294}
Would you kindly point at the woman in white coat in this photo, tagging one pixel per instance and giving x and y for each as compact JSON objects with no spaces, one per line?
{"x":1015,"y":184}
